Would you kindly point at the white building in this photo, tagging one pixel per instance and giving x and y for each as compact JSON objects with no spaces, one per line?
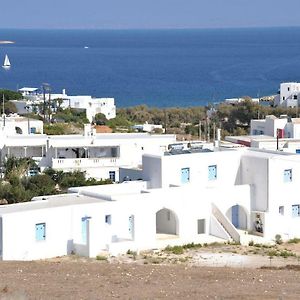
{"x":99,"y":155}
{"x":272,"y":133}
{"x":91,"y":105}
{"x":235,"y":101}
{"x":15,"y":124}
{"x":284,"y":127}
{"x":288,"y":95}
{"x":147,"y":127}
{"x":184,"y":197}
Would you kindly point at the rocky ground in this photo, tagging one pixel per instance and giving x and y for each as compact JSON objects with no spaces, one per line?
{"x":209,"y":272}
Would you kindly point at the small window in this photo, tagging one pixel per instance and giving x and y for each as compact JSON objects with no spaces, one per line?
{"x":212,"y":172}
{"x":295,"y":210}
{"x":108,"y":219}
{"x":288,"y":89}
{"x":112,"y":176}
{"x":283,"y":98}
{"x":32,"y":130}
{"x":281,"y":210}
{"x":287,"y":175}
{"x":40,"y":232}
{"x":201,"y":226}
{"x":295,"y":97}
{"x":185,"y":175}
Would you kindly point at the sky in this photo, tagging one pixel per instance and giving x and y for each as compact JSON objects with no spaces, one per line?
{"x":148,"y":14}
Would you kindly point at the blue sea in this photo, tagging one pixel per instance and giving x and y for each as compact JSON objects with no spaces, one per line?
{"x":155,"y":67}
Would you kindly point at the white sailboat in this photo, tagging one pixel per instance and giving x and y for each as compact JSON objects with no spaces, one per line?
{"x":6,"y":64}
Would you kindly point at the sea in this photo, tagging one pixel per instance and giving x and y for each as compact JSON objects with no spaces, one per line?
{"x":159,"y":68}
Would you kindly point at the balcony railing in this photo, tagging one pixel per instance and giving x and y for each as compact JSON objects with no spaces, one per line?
{"x":62,"y":163}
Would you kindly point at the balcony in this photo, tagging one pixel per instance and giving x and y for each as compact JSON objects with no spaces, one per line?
{"x":76,"y":163}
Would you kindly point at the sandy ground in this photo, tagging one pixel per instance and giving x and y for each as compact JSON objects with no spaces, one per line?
{"x":194,"y":274}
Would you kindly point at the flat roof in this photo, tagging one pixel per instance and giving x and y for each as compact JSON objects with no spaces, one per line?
{"x":51,"y":201}
{"x":263,"y":153}
{"x":28,"y":89}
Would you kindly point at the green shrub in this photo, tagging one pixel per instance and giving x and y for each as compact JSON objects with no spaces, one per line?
{"x":175,"y":249}
{"x":101,"y":257}
{"x":294,"y":241}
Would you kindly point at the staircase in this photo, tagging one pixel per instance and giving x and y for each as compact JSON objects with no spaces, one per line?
{"x":226,"y":224}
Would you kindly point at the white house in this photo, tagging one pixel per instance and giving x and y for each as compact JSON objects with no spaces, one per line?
{"x":91,"y":105}
{"x":288,"y":95}
{"x":147,"y":127}
{"x":272,"y":133}
{"x":15,"y":124}
{"x":99,"y":155}
{"x":184,"y":197}
{"x":284,"y":127}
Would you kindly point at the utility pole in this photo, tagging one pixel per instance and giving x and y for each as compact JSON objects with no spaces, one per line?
{"x":214,"y":127}
{"x":165,"y":117}
{"x":3,"y":110}
{"x":3,"y":105}
{"x":200,"y":137}
{"x":45,"y":87}
{"x":208,"y":129}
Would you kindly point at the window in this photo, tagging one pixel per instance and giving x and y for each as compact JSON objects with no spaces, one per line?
{"x":288,"y":89}
{"x":212,"y":172}
{"x":84,"y":221}
{"x":201,"y":226}
{"x":295,"y":210}
{"x":185,"y":175}
{"x":281,"y":210}
{"x":32,"y":130}
{"x":295,"y":97}
{"x":108,"y":219}
{"x":40,"y":232}
{"x":287,"y":175}
{"x":112,"y":175}
{"x":283,"y":98}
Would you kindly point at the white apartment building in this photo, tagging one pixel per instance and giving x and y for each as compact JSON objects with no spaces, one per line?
{"x":99,"y":155}
{"x":91,"y":105}
{"x":288,"y":95}
{"x":185,"y":196}
{"x":284,"y":127}
{"x":264,"y":133}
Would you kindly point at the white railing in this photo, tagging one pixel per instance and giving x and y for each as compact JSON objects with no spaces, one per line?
{"x":225,"y":222}
{"x":84,"y":162}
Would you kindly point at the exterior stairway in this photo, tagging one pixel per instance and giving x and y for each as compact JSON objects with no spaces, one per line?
{"x":225,"y":223}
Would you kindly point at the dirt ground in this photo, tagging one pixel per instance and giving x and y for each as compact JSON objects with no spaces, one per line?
{"x":156,"y":275}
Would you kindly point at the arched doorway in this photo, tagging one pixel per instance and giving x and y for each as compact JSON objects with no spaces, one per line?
{"x":166,"y":222}
{"x":18,"y":130}
{"x":238,"y":216}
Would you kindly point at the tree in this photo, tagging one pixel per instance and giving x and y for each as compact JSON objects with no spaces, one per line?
{"x":100,"y":119}
{"x":10,"y":95}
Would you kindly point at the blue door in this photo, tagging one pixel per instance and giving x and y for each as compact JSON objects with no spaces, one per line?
{"x":84,"y":229}
{"x":40,"y":232}
{"x":185,"y":175}
{"x":131,"y":226}
{"x":235,"y":216}
{"x":295,"y":211}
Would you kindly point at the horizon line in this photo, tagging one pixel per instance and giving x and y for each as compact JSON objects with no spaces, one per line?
{"x":150,"y":28}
